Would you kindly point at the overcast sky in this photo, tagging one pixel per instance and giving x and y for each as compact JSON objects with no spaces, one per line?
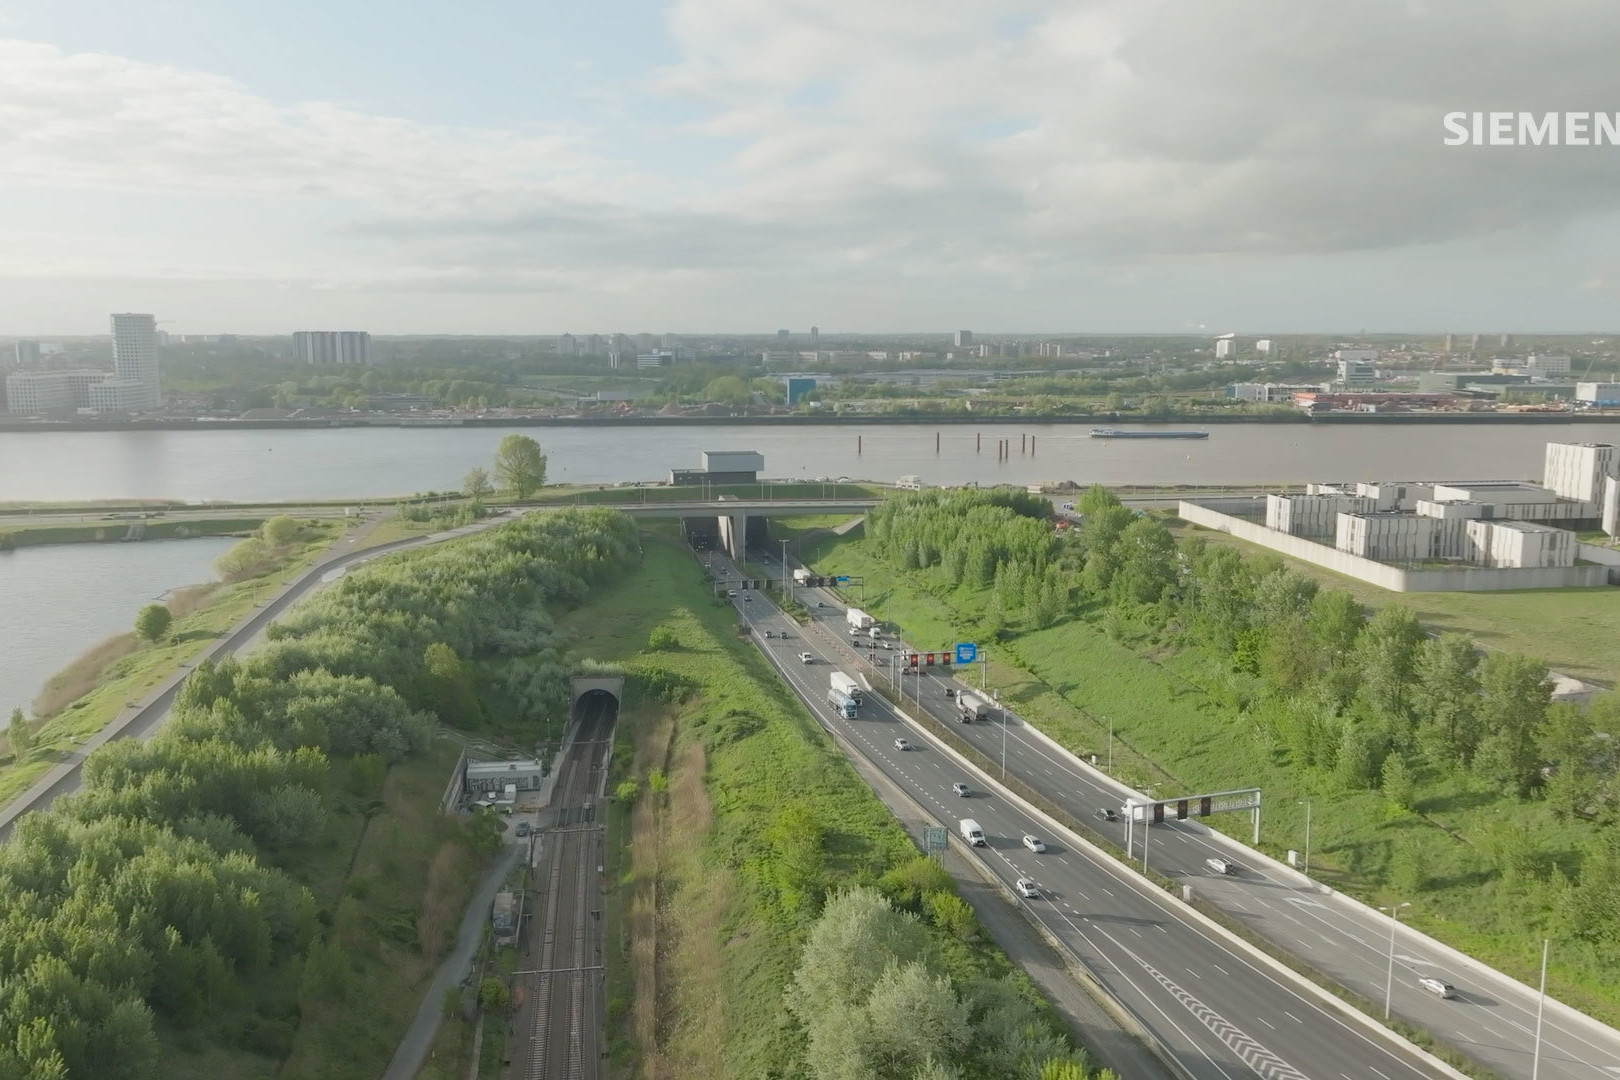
{"x":496,"y":166}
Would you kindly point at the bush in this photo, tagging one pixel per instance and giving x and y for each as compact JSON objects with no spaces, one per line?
{"x":153,"y":622}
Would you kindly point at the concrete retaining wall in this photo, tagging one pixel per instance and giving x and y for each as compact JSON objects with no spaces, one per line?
{"x":1393,"y":578}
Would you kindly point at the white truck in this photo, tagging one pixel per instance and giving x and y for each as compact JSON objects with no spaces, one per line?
{"x":801,"y":575}
{"x":847,"y":685}
{"x":858,"y":619}
{"x":971,"y":832}
{"x":971,"y":706}
{"x":842,"y":703}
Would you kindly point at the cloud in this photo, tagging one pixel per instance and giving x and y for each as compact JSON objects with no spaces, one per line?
{"x":95,"y":121}
{"x":853,"y":144}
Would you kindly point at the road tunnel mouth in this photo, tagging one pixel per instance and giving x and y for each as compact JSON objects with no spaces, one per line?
{"x":596,"y":697}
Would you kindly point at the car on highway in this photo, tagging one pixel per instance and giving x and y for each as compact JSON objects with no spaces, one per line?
{"x":769,"y":635}
{"x":902,"y":744}
{"x":1438,"y":987}
{"x":747,"y":599}
{"x":731,"y":592}
{"x":1027,"y":889}
{"x":1220,"y":866}
{"x":886,"y":645}
{"x":783,"y":634}
{"x":806,"y":658}
{"x":1035,"y":844}
{"x":960,"y":791}
{"x":523,"y":828}
{"x":1103,"y":813}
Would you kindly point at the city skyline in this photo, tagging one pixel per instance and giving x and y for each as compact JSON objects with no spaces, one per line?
{"x":1109,"y":169}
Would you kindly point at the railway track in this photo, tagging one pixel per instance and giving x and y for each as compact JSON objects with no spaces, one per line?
{"x":562,"y":947}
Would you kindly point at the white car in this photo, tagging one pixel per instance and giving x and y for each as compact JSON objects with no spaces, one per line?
{"x":1220,"y":866}
{"x":1438,"y":987}
{"x":1035,"y":844}
{"x":960,"y":791}
{"x":901,"y":744}
{"x":1026,"y":888}
{"x":806,"y":658}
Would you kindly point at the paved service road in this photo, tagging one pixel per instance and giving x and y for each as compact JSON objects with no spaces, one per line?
{"x":1492,"y":1019}
{"x":1219,"y":1014}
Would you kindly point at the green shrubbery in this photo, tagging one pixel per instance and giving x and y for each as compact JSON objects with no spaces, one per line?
{"x":150,"y":894}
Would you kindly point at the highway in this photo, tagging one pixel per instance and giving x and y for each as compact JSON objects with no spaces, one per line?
{"x":1218,"y":1014}
{"x":1492,"y":1019}
{"x":560,"y":1019}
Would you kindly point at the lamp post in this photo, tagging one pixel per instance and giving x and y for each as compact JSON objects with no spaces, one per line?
{"x":1307,"y":837}
{"x":1110,"y":746}
{"x":785,"y":594}
{"x":1541,"y":1005}
{"x":1004,"y":723}
{"x":1389,"y":980}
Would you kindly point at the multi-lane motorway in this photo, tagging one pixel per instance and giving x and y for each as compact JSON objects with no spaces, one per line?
{"x":1217,"y":1012}
{"x":1492,"y":1019}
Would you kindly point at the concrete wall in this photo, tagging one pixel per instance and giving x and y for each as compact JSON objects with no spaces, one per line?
{"x":1392,"y":577}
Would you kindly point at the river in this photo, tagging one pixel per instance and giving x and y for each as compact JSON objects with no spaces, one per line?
{"x":336,"y":463}
{"x":57,"y":601}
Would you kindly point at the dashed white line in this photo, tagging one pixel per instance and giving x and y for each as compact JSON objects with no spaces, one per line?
{"x":1292,"y":1017}
{"x":1222,"y":970}
{"x":1266,"y":1022}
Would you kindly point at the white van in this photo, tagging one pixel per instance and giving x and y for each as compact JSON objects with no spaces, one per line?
{"x":971,"y":832}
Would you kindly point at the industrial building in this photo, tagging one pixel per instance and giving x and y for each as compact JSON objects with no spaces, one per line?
{"x":1604,"y":395}
{"x":722,"y":467}
{"x":797,"y":387}
{"x":1453,"y":535}
{"x":1272,"y":393}
{"x":486,"y":777}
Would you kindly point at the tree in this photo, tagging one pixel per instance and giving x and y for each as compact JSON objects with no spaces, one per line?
{"x":279,"y":531}
{"x":494,"y":995}
{"x":1336,"y":621}
{"x":1514,"y":694}
{"x":1147,"y":562}
{"x":1448,"y":699}
{"x":153,"y":622}
{"x":17,"y":733}
{"x":1568,"y":743}
{"x":1386,"y":652}
{"x":520,"y":466}
{"x":1398,"y":786}
{"x":475,"y":485}
{"x":951,"y":914}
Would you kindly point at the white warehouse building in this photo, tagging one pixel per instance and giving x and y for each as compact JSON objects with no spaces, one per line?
{"x":1387,"y":537}
{"x":1312,"y":515}
{"x":1520,"y":544}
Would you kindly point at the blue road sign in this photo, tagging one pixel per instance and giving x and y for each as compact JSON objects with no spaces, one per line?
{"x":966,"y":652}
{"x":843,"y":579}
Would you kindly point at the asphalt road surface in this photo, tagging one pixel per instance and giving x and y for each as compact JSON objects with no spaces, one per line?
{"x":1219,"y":1014}
{"x":1492,"y":1018}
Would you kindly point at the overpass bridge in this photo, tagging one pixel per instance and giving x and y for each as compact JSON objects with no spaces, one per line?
{"x":734,"y":518}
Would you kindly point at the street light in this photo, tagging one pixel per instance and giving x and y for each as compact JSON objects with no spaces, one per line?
{"x":1307,"y":837}
{"x":785,"y":594}
{"x":1389,"y":981}
{"x":1110,"y":746}
{"x":1541,"y":1005}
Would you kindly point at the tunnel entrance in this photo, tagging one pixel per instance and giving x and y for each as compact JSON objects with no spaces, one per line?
{"x":595,"y":696}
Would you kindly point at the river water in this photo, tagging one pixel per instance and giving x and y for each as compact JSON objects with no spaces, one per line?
{"x":57,"y":601}
{"x":248,"y":466}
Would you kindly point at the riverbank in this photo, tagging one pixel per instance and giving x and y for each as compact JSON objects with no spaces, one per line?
{"x":802,"y":420}
{"x":90,"y":692}
{"x":104,"y":532}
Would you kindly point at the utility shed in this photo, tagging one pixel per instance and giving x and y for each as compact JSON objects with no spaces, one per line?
{"x":503,"y":915}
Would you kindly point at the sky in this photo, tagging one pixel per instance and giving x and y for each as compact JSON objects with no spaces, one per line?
{"x":494,"y":166}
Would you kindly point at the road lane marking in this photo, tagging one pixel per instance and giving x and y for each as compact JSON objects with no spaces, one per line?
{"x":1292,"y":1017}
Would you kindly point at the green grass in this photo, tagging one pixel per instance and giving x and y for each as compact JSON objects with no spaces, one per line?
{"x":760,"y":750}
{"x":129,"y":678}
{"x":1177,"y":724}
{"x":1576,"y":631}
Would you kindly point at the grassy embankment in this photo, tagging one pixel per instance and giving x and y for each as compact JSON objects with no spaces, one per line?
{"x":1177,"y":725}
{"x":393,"y":876}
{"x":1576,"y":631}
{"x":100,"y":532}
{"x":701,"y":943}
{"x":89,"y":693}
